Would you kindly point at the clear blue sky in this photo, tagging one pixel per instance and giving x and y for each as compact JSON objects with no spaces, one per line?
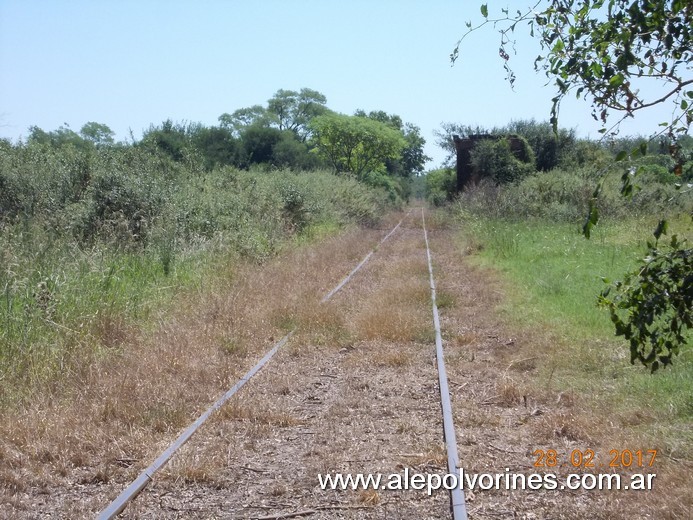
{"x":128,"y":64}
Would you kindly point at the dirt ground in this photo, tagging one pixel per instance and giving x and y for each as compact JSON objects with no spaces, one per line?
{"x":354,"y":391}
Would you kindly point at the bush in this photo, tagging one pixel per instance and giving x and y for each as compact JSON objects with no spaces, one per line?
{"x":120,"y":207}
{"x":563,"y":195}
{"x":390,"y":185}
{"x":103,"y":233}
{"x":10,"y":198}
{"x":441,"y":186}
{"x":494,"y":159}
{"x":550,"y":148}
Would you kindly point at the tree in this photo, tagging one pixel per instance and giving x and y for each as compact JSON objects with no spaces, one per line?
{"x":286,"y":110}
{"x":258,"y":144}
{"x":244,"y":117}
{"x":441,"y":185}
{"x":622,"y":56}
{"x":290,"y":152}
{"x":171,"y":138}
{"x":217,"y":146}
{"x":412,"y":160}
{"x":493,"y":159}
{"x":356,"y":144}
{"x":97,"y":133}
{"x":293,"y":110}
{"x":549,"y":147}
{"x":63,"y":136}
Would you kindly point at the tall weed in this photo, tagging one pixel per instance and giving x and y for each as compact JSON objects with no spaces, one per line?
{"x":563,"y":196}
{"x":93,"y":241}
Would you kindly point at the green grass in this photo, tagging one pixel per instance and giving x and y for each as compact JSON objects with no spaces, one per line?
{"x":553,"y":276}
{"x":80,"y":274}
{"x":558,"y":271}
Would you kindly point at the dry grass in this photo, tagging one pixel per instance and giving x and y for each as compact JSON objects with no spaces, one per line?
{"x":435,"y":457}
{"x":128,"y":404}
{"x":353,"y":391}
{"x":255,"y":414}
{"x":391,"y":358}
{"x":393,"y":311}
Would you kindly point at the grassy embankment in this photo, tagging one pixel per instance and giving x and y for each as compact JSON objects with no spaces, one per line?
{"x":553,"y":276}
{"x":531,"y":234}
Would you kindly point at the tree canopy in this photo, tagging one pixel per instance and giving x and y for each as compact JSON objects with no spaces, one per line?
{"x":356,"y":144}
{"x":294,"y":110}
{"x":412,"y":160}
{"x":286,"y":110}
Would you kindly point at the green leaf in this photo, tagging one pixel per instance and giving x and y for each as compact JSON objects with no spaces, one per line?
{"x":621,"y":155}
{"x":616,"y":80}
{"x":484,"y":10}
{"x":662,"y":228}
{"x":591,"y":220}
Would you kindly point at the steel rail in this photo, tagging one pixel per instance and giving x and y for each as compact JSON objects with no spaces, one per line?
{"x":352,"y":273}
{"x":459,"y":510}
{"x":140,"y":482}
{"x":134,"y":489}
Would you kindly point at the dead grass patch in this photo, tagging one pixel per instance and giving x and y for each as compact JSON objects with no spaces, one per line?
{"x":392,"y":358}
{"x":434,"y":457}
{"x":509,"y":394}
{"x":164,"y":417}
{"x":569,"y":426}
{"x":148,"y":384}
{"x":239,"y":412}
{"x":527,"y":364}
{"x":13,"y":483}
{"x":323,"y":323}
{"x":369,"y":497}
{"x":444,"y":300}
{"x":232,"y":346}
{"x":464,"y":339}
{"x":386,"y":323}
{"x":111,"y":330}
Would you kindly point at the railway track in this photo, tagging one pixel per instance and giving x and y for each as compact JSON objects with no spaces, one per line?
{"x":456,"y":508}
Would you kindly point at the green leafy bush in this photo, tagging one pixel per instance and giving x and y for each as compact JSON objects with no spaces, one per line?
{"x":653,"y":306}
{"x":494,"y":159}
{"x":390,"y":185}
{"x":441,"y":186}
{"x":101,"y":233}
{"x":564,"y":195}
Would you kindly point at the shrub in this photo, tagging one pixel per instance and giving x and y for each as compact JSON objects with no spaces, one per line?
{"x":494,"y":159}
{"x":441,"y":186}
{"x":564,"y":194}
{"x":390,"y":185}
{"x":549,"y":147}
{"x":10,"y":199}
